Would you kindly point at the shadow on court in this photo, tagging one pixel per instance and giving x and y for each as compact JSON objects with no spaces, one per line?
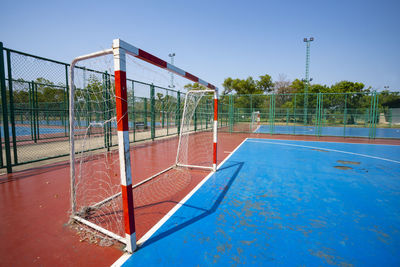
{"x":237,"y":166}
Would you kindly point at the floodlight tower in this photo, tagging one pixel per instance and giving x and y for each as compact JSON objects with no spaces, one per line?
{"x":307,"y":78}
{"x":172,"y":55}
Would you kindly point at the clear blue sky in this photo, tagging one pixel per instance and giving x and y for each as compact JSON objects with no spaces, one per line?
{"x":354,"y":40}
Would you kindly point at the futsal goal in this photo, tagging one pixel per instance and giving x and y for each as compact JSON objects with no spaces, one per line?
{"x":102,"y":189}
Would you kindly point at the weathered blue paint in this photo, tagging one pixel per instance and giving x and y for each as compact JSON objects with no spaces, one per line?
{"x":330,"y":131}
{"x":277,"y":202}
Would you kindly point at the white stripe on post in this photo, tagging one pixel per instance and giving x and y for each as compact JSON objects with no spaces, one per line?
{"x":215,"y":129}
{"x":123,"y":145}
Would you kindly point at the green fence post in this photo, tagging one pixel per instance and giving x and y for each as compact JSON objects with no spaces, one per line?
{"x":231,"y":118}
{"x":33,"y":111}
{"x":36,"y":104}
{"x":371,"y":115}
{"x":321,"y":114}
{"x":162,"y":112}
{"x":168,"y":112}
{"x":273,"y":113}
{"x":251,"y":106}
{"x":376,"y":120}
{"x":178,"y":110}
{"x":145,"y":113}
{"x":30,"y":107}
{"x":345,"y":116}
{"x":287,"y":117}
{"x":12,"y":109}
{"x":294,"y":115}
{"x":152,"y":113}
{"x":5,"y":110}
{"x":270,"y":115}
{"x":206,"y":114}
{"x":316,"y":116}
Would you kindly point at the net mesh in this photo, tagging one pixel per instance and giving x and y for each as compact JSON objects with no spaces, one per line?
{"x":153,"y":111}
{"x":96,"y":182}
{"x":255,"y":121}
{"x":196,"y":138}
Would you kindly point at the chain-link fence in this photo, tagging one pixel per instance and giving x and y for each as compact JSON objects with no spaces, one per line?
{"x":35,"y":110}
{"x":368,"y":114}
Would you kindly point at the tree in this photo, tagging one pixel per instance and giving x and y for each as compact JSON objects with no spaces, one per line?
{"x":282,"y":85}
{"x":248,"y":86}
{"x":194,"y":86}
{"x":265,"y":83}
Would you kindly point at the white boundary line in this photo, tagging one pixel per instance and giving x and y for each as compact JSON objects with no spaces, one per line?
{"x":325,"y":141}
{"x":180,"y":204}
{"x":157,"y":226}
{"x":121,"y":260}
{"x":327,"y":149}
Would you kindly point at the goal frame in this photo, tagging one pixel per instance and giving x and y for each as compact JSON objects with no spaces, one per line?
{"x":255,"y":120}
{"x":120,"y":49}
{"x":215,"y":132}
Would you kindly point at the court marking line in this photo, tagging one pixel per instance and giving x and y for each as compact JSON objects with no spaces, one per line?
{"x":180,"y":204}
{"x":166,"y":217}
{"x":327,"y":149}
{"x":325,"y":141}
{"x":121,"y":260}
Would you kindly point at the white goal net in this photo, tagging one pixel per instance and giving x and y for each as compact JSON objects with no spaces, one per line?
{"x":108,"y":111}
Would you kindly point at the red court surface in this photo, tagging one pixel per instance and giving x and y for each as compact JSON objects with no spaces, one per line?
{"x":35,"y":204}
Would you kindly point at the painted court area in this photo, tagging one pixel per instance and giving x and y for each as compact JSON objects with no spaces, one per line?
{"x":281,"y":202}
{"x":272,"y":201}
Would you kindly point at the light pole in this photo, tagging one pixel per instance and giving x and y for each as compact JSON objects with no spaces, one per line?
{"x":172,"y":55}
{"x":307,"y":78}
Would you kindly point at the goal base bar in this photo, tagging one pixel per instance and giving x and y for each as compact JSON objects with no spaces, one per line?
{"x":100,"y":229}
{"x":195,"y":166}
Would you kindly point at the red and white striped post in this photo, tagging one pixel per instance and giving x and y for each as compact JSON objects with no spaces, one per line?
{"x":123,"y":145}
{"x":215,"y":129}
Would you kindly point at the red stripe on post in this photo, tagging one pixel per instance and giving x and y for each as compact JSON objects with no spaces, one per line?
{"x":215,"y":109}
{"x":191,"y":77}
{"x":121,"y":100}
{"x":127,"y":197}
{"x":152,"y":59}
{"x":215,"y":154}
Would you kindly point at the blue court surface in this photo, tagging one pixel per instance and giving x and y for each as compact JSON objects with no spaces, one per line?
{"x":289,"y":203}
{"x":329,"y":131}
{"x":26,"y":130}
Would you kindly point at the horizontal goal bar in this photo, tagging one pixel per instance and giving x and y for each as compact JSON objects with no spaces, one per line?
{"x":139,"y":53}
{"x":195,"y":166}
{"x":100,"y":229}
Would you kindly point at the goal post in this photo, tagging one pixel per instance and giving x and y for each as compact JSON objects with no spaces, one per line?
{"x":94,"y":171}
